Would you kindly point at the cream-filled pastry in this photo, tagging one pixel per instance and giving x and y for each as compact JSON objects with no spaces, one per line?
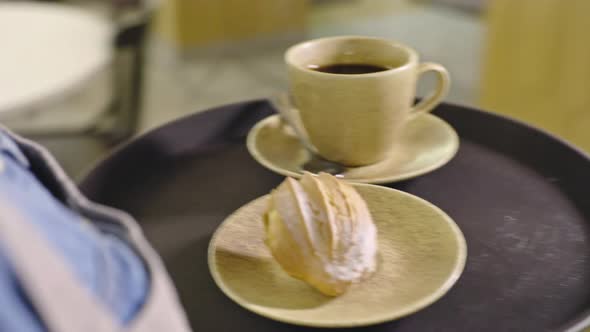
{"x":320,"y":230}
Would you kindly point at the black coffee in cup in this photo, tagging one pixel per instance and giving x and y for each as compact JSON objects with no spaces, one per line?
{"x":349,"y":68}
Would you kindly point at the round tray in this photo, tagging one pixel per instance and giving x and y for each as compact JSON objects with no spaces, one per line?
{"x":520,"y":196}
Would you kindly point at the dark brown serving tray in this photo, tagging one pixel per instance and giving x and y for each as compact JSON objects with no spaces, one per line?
{"x":520,"y":196}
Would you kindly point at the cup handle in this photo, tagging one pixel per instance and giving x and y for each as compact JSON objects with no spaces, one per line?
{"x":428,"y":103}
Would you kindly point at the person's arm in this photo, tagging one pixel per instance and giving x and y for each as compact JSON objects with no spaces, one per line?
{"x":104,"y":263}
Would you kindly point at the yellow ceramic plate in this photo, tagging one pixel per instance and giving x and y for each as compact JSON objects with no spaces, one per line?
{"x":422,"y":253}
{"x":426,"y":144}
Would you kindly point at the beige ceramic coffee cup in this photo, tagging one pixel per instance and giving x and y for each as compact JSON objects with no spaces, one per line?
{"x":355,"y":119}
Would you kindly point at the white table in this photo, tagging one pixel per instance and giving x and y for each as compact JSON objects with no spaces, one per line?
{"x":48,"y":53}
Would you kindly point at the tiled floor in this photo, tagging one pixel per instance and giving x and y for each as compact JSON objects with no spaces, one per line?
{"x":178,"y":87}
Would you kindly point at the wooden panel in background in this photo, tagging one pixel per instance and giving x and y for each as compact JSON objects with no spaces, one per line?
{"x":537,"y":65}
{"x":190,"y":23}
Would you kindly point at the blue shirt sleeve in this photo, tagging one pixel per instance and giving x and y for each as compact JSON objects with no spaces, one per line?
{"x":103,"y":262}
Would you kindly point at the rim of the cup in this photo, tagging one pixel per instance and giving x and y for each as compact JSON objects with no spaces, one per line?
{"x":412,"y":56}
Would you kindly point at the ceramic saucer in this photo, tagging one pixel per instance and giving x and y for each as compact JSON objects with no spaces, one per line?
{"x":421,"y":255}
{"x":426,"y":144}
